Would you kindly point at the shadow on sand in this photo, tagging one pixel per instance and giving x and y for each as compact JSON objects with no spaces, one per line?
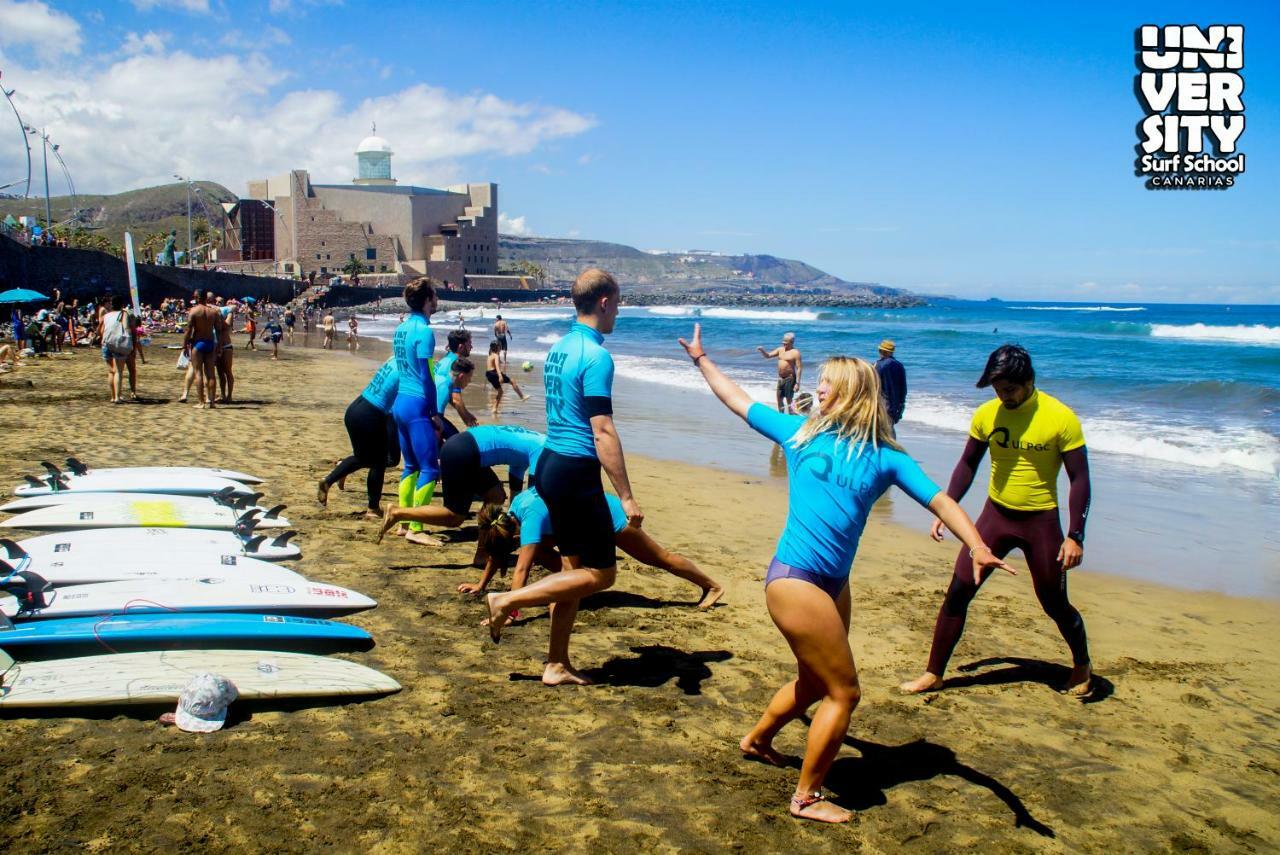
{"x":654,"y":665}
{"x":1021,"y":670}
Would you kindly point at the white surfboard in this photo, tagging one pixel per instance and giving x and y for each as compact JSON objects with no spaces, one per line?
{"x":155,"y":481}
{"x":209,"y":471}
{"x":159,"y":677}
{"x":48,"y":500}
{"x":173,"y":544}
{"x":84,"y":568}
{"x":210,"y":594}
{"x":111,"y":511}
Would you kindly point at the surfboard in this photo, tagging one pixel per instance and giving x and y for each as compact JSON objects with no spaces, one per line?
{"x":75,"y":467}
{"x":159,"y":677}
{"x":86,"y":568}
{"x":114,"y":511}
{"x":209,"y":594}
{"x":172,"y":543}
{"x":44,"y":639}
{"x":167,"y":481}
{"x":48,"y":500}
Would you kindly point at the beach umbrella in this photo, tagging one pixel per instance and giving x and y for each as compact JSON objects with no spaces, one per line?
{"x":248,"y":300}
{"x":21,"y":295}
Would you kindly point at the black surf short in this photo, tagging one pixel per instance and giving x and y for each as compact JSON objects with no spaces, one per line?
{"x":462,"y":478}
{"x":580,"y":517}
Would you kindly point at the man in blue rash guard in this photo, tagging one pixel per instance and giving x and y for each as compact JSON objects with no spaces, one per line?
{"x":417,"y":419}
{"x":581,"y":438}
{"x":374,"y":441}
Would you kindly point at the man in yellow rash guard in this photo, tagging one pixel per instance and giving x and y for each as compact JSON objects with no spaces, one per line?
{"x":1030,"y":435}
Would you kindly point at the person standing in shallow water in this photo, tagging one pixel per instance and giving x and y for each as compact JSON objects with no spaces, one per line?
{"x":1031,"y":436}
{"x":840,"y":460}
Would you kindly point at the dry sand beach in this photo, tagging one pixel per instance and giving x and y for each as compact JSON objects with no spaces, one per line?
{"x":1177,"y":749}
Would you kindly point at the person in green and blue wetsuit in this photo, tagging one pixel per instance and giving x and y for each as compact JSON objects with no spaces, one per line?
{"x":417,"y":418}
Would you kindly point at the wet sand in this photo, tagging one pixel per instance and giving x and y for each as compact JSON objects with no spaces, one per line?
{"x":1177,"y":749}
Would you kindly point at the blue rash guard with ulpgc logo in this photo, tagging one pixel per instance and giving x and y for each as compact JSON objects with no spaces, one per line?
{"x":443,"y":380}
{"x":535,"y":519}
{"x":414,"y":343}
{"x":832,"y":486}
{"x":509,"y":445}
{"x":381,"y":391}
{"x":578,"y":378}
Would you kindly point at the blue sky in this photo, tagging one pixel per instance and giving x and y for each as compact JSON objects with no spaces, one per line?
{"x":979,"y":151}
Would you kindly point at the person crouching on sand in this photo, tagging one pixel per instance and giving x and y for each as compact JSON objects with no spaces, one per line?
{"x":841,"y":459}
{"x":528,"y":527}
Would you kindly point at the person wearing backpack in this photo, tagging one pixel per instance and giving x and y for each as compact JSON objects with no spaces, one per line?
{"x":116,"y":333}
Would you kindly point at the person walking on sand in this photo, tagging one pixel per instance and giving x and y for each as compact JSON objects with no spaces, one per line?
{"x":581,"y":439}
{"x":1031,"y":436}
{"x":417,"y":421}
{"x":375,"y":444}
{"x":353,"y":333}
{"x":840,"y":460}
{"x":202,"y":347}
{"x":116,"y":334}
{"x":790,"y":367}
{"x":496,"y":374}
{"x":330,"y":326}
{"x":290,"y":320}
{"x":273,"y":332}
{"x":893,"y":382}
{"x":502,"y":332}
{"x":251,"y":327}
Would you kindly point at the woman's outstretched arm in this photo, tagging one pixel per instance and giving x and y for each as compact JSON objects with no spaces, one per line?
{"x":729,"y":393}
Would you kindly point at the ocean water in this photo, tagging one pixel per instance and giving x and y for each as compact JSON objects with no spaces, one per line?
{"x":1180,"y":406}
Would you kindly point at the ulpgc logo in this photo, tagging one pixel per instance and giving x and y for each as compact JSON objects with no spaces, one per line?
{"x":1190,"y":84}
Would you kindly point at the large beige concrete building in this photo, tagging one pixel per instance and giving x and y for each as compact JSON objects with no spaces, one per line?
{"x":448,"y":233}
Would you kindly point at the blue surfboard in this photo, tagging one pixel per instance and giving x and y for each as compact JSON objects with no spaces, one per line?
{"x":80,"y":636}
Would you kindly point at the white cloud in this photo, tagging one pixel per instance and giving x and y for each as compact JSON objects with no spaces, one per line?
{"x":574,"y":232}
{"x":152,"y":42}
{"x":260,"y":41}
{"x":280,"y":7}
{"x":48,"y":32}
{"x":133,"y":121}
{"x":513,"y":225}
{"x":199,"y":7}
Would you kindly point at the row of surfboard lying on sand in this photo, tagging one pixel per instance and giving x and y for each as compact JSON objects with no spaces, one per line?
{"x":155,"y":574}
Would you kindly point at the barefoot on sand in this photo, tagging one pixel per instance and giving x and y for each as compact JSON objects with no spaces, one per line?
{"x":920,"y":685}
{"x":496,"y":617}
{"x":374,"y":516}
{"x":818,"y":809}
{"x":558,"y":674}
{"x":761,"y":751}
{"x":422,"y":539}
{"x":388,"y":522}
{"x":322,"y":494}
{"x":710,"y":596}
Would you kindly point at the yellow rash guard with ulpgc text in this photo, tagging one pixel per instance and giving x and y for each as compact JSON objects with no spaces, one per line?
{"x":1026,"y":448}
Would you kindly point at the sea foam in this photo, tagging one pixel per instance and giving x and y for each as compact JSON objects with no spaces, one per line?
{"x":1258,"y":334}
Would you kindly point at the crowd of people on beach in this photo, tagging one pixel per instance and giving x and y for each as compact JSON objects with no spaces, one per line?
{"x":841,"y":452}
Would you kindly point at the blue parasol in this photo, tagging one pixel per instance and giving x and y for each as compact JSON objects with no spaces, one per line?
{"x":248,"y":300}
{"x":21,"y":295}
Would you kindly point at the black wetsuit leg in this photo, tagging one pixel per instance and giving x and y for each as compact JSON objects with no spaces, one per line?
{"x":1039,"y":535}
{"x":367,"y":427}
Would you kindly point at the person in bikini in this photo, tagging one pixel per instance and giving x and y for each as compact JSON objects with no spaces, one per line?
{"x":840,"y":460}
{"x":496,"y":374}
{"x":1031,"y":435}
{"x":790,"y":367}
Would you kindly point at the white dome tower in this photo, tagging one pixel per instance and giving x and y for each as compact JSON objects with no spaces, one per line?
{"x":373,"y":157}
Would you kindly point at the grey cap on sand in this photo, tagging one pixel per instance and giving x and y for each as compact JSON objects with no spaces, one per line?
{"x":202,"y":706}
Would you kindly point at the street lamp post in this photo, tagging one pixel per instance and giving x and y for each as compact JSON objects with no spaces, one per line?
{"x":190,"y":254}
{"x":44,"y":144}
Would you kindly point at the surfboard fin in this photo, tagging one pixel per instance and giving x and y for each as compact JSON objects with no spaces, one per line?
{"x":283,"y":539}
{"x":29,"y":589}
{"x":34,"y":481}
{"x":53,"y":470}
{"x":274,"y":512}
{"x":249,"y":516}
{"x":224,"y":496}
{"x":76,"y":467}
{"x":244,"y":528}
{"x":252,"y":544}
{"x":13,"y":549}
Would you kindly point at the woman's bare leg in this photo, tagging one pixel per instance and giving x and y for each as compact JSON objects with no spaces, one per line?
{"x":816,"y":628}
{"x":640,"y":546}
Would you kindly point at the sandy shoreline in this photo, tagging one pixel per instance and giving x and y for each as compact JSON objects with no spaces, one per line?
{"x":1178,"y":751}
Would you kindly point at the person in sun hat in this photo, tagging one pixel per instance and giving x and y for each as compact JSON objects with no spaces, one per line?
{"x":202,"y":706}
{"x":893,"y":381}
